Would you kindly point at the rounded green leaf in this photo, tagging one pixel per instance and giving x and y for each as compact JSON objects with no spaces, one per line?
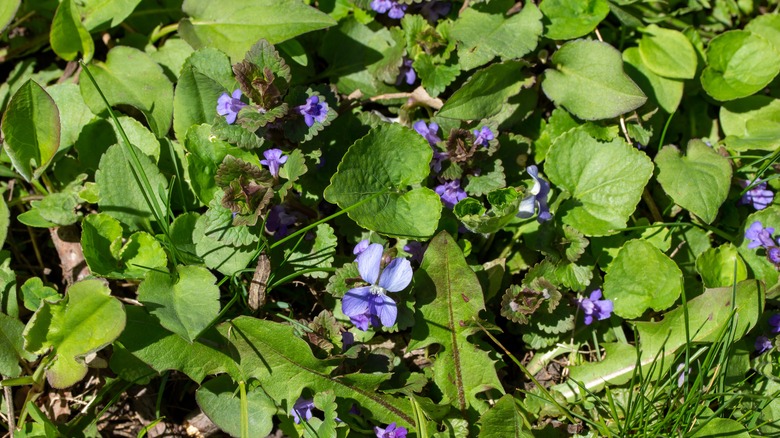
{"x":588,"y":80}
{"x":667,"y":53}
{"x":698,"y":181}
{"x":101,"y":14}
{"x":485,"y":93}
{"x":605,"y":181}
{"x":185,"y":302}
{"x":31,"y":127}
{"x":5,"y":221}
{"x":768,"y":26}
{"x":739,"y":63}
{"x":78,"y":115}
{"x":234,"y":26}
{"x":131,"y":77}
{"x":383,"y":166}
{"x":567,"y":19}
{"x":751,"y":123}
{"x":721,"y":266}
{"x":12,"y":346}
{"x":88,"y":319}
{"x":667,"y":92}
{"x":641,"y":277}
{"x":68,"y":35}
{"x":8,"y":10}
{"x":220,"y":400}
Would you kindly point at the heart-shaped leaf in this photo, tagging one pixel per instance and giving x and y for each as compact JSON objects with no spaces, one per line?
{"x":220,"y":400}
{"x":718,"y":266}
{"x":667,"y":53}
{"x":68,"y":35}
{"x":567,"y":19}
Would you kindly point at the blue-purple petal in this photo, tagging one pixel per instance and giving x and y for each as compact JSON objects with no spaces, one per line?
{"x":396,"y":276}
{"x":385,"y":309}
{"x":356,"y":301}
{"x":368,"y":263}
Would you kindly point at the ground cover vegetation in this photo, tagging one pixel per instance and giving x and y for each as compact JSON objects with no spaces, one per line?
{"x":390,"y":218}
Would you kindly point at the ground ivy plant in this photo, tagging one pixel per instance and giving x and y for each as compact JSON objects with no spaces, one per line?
{"x":389,"y":218}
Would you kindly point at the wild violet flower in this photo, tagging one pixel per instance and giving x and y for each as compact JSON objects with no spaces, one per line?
{"x":774,"y":323}
{"x":683,"y":374}
{"x":483,"y":136}
{"x":370,"y":304}
{"x":450,"y":193}
{"x":230,"y":105}
{"x":313,"y":110}
{"x":762,"y":344}
{"x":302,"y":409}
{"x":428,"y":131}
{"x":536,"y":199}
{"x":416,"y":249}
{"x":392,"y":431}
{"x":278,"y":221}
{"x":759,"y":236}
{"x":361,"y":246}
{"x":595,"y":307}
{"x":758,"y":196}
{"x":274,"y":158}
{"x":392,"y":8}
{"x":406,"y":73}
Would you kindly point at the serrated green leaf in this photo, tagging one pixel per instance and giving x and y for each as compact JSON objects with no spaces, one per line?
{"x":34,"y":292}
{"x":605,"y":181}
{"x":739,"y":63}
{"x":448,"y":297}
{"x":629,"y":287}
{"x":488,"y":181}
{"x":31,"y":128}
{"x":667,"y":53}
{"x":219,"y":255}
{"x":342,"y":280}
{"x":751,"y":123}
{"x":707,"y":178}
{"x":293,"y":168}
{"x":87,"y":320}
{"x":236,"y":134}
{"x":131,"y":77}
{"x":667,"y":92}
{"x":484,"y":94}
{"x":185,"y":302}
{"x":434,"y":77}
{"x":588,"y":80}
{"x":233,"y":28}
{"x":385,"y":163}
{"x":68,"y":36}
{"x":263,"y":75}
{"x":568,"y":19}
{"x":12,"y":346}
{"x":56,"y":208}
{"x":503,"y":208}
{"x":220,"y":400}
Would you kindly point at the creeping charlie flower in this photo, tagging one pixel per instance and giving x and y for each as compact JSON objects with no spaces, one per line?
{"x":762,"y":344}
{"x":758,"y":196}
{"x":406,"y":73}
{"x":274,"y":158}
{"x":450,"y":193}
{"x":428,"y":131}
{"x":229,"y":106}
{"x":537,"y":198}
{"x":392,"y":431}
{"x":392,"y":8}
{"x":370,"y":304}
{"x":595,"y":307}
{"x":759,"y":236}
{"x":313,"y":110}
{"x":302,"y":409}
{"x":483,"y":136}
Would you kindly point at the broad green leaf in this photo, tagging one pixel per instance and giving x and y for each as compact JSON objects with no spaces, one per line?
{"x":68,"y":35}
{"x":233,"y":27}
{"x":485,"y":32}
{"x":139,"y":136}
{"x":220,"y":400}
{"x":721,"y":266}
{"x":34,"y":292}
{"x":217,"y":254}
{"x":5,"y":221}
{"x":86,"y":320}
{"x":31,"y":128}
{"x":503,"y":208}
{"x":632,"y":290}
{"x":605,"y":181}
{"x":383,"y":164}
{"x":76,"y":116}
{"x":767,"y":26}
{"x":706,"y":182}
{"x":8,"y":297}
{"x":121,"y":193}
{"x":568,"y":19}
{"x":12,"y":346}
{"x":721,"y":427}
{"x":751,"y":123}
{"x":56,"y":209}
{"x":739,"y":63}
{"x":756,"y":258}
{"x":131,"y":77}
{"x":206,"y":74}
{"x":504,"y":420}
{"x":434,"y":77}
{"x":588,"y":80}
{"x":162,"y":350}
{"x":103,"y":14}
{"x":667,"y":53}
{"x":448,"y":297}
{"x":707,"y":315}
{"x":108,"y":255}
{"x":492,"y":178}
{"x":485,"y":93}
{"x":185,"y":302}
{"x":284,"y":365}
{"x":8,"y":12}
{"x":667,"y":92}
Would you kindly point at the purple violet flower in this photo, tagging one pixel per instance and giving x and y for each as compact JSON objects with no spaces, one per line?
{"x":392,"y":8}
{"x":406,"y":73}
{"x":347,"y":339}
{"x":273,"y":159}
{"x":758,"y":196}
{"x":683,"y":374}
{"x":416,"y":249}
{"x":450,"y":193}
{"x":370,"y":304}
{"x":428,"y":131}
{"x":397,"y":11}
{"x":313,"y":110}
{"x":594,"y":306}
{"x":229,"y":106}
{"x":483,"y":136}
{"x":438,"y":158}
{"x":774,"y":322}
{"x":759,"y":236}
{"x":434,"y":10}
{"x":302,"y":409}
{"x":361,"y":246}
{"x":537,"y":198}
{"x":773,"y":254}
{"x":392,"y":431}
{"x":762,"y":344}
{"x":278,"y":221}
{"x":381,"y":6}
